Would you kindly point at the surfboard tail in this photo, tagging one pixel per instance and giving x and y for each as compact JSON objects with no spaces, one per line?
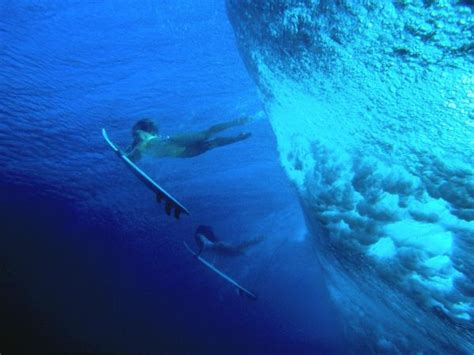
{"x":248,"y":294}
{"x":242,"y":290}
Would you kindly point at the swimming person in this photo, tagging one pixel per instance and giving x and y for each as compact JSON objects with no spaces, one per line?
{"x":146,"y":140}
{"x":206,"y":239}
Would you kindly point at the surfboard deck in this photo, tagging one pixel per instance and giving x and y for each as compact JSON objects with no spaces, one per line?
{"x":160,"y":193}
{"x":226,"y":277}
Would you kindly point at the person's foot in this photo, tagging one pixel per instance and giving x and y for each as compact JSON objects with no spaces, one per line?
{"x":243,"y":120}
{"x":244,"y":135}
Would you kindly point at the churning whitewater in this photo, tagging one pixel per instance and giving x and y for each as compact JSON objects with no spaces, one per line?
{"x":372,"y":105}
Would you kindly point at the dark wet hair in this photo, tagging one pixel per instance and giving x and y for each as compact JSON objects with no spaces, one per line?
{"x":207,"y":232}
{"x":146,"y":125}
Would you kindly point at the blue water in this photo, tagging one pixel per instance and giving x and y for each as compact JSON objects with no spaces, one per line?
{"x":359,"y":174}
{"x":89,"y":261}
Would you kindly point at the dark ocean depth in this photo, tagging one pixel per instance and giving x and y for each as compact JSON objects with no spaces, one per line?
{"x":89,"y":262}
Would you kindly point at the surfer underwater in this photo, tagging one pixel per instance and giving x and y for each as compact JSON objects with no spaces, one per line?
{"x":146,"y":140}
{"x":206,"y":240}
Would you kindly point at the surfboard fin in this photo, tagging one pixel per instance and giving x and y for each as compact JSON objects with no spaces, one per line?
{"x":177,"y":212}
{"x":168,"y":207}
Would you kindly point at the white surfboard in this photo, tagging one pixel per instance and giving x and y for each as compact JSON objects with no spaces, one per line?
{"x":242,"y":290}
{"x":161,"y":194}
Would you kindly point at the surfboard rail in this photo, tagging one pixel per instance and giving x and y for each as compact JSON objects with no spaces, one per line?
{"x":161,"y":194}
{"x":226,"y":277}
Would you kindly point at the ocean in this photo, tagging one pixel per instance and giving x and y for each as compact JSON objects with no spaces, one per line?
{"x":357,"y":176}
{"x":90,"y":261}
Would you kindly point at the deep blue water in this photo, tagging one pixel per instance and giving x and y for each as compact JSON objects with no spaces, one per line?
{"x":89,"y":261}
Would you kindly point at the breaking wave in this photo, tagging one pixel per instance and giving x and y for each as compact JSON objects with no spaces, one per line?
{"x":372,"y":104}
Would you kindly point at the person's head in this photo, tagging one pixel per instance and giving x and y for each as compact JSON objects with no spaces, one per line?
{"x":203,"y":236}
{"x":144,"y":127}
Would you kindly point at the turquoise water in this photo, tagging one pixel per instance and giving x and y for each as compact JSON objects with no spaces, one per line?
{"x":372,"y":106}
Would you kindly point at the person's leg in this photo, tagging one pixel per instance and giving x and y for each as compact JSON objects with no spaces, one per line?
{"x":202,"y":136}
{"x":226,"y":125}
{"x":242,"y":246}
{"x":236,"y":249}
{"x":221,"y":141}
{"x":198,"y":147}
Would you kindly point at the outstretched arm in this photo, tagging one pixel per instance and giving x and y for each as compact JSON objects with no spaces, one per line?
{"x":226,"y":125}
{"x":133,"y":154}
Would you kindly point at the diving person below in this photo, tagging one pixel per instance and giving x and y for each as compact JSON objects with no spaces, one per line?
{"x":206,"y":240}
